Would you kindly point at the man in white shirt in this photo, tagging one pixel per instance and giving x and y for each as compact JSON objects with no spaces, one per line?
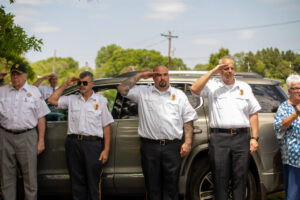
{"x":22,"y":129}
{"x":163,"y":112}
{"x":46,"y":90}
{"x":89,"y":123}
{"x":233,"y":109}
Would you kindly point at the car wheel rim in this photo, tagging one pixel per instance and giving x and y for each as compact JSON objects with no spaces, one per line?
{"x":206,"y":188}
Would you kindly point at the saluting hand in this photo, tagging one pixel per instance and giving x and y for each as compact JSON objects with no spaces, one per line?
{"x":3,"y":74}
{"x":71,"y":81}
{"x":219,"y":68}
{"x":146,"y":75}
{"x":185,"y":149}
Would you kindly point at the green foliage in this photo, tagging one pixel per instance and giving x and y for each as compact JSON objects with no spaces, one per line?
{"x":113,"y":60}
{"x":202,"y":67}
{"x":14,"y":43}
{"x":64,"y":68}
{"x":215,"y":57}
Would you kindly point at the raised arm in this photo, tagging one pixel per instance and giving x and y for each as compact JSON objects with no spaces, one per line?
{"x":201,"y":82}
{"x":127,"y":84}
{"x":40,"y":80}
{"x":2,"y":75}
{"x":53,"y":99}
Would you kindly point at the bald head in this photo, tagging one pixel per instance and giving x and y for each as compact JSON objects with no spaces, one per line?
{"x":161,"y":78}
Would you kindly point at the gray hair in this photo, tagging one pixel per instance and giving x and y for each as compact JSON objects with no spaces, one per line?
{"x":86,"y":73}
{"x":293,"y":78}
{"x":53,"y":74}
{"x":225,"y":57}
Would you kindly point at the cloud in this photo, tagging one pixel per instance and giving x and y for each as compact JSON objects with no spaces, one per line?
{"x":25,"y":15}
{"x":166,"y":10}
{"x":207,"y":42}
{"x":276,"y":1}
{"x":246,"y":34}
{"x":44,"y":28}
{"x":33,"y":2}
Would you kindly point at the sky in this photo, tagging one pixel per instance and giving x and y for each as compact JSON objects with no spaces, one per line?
{"x":79,"y":28}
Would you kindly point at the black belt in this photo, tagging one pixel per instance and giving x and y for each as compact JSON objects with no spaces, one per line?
{"x":16,"y":132}
{"x":85,"y":137}
{"x":161,"y":142}
{"x":230,"y":130}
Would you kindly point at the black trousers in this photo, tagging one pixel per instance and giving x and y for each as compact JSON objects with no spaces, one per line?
{"x":85,"y":168}
{"x":229,"y":157}
{"x":161,"y":166}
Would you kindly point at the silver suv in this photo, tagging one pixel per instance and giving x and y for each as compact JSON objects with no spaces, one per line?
{"x":123,"y":173}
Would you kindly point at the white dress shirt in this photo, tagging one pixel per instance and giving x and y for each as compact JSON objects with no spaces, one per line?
{"x":229,"y":105}
{"x":161,"y":114}
{"x":46,"y":91}
{"x":86,"y":117}
{"x":21,"y":109}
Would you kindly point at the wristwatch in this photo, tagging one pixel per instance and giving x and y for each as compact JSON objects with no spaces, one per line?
{"x":255,"y":138}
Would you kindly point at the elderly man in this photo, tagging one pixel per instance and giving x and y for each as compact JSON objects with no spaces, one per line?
{"x":22,"y":109}
{"x":89,"y":122}
{"x":232,"y":111}
{"x":163,"y":112}
{"x":46,"y":90}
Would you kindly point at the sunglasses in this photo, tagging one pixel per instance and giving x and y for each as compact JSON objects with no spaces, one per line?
{"x":85,"y":83}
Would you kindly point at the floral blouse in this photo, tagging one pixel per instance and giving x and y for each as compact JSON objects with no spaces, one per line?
{"x":289,"y":139}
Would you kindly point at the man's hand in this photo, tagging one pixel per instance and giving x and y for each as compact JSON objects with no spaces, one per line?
{"x":71,"y":81}
{"x":40,"y":147}
{"x":253,"y":145}
{"x":219,"y":68}
{"x":146,"y":75}
{"x":3,"y":74}
{"x":104,"y":156}
{"x":185,"y":149}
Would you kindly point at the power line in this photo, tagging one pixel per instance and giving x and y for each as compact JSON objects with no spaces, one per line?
{"x":151,"y":45}
{"x":169,"y":36}
{"x":208,"y":31}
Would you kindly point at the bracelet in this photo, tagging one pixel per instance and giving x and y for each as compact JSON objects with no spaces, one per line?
{"x":1,"y":81}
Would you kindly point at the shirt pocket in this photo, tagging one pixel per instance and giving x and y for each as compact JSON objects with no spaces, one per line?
{"x":149,"y":104}
{"x":29,"y":105}
{"x":75,"y":113}
{"x":221,"y":102}
{"x":5,"y":105}
{"x":172,"y":108}
{"x":242,"y":103}
{"x":94,"y":118}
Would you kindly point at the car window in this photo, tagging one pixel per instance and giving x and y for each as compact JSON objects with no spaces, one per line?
{"x":124,"y":108}
{"x":268,"y":96}
{"x":56,"y":115}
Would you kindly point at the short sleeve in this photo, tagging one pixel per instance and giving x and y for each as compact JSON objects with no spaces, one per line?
{"x":134,"y":93}
{"x":188,"y":112}
{"x":281,"y":114}
{"x":63,"y":102}
{"x":106,"y":117}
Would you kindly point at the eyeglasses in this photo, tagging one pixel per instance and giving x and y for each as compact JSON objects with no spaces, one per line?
{"x":295,"y":89}
{"x":85,"y":83}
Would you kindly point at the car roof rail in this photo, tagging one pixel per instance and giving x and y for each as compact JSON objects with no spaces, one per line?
{"x":192,"y":73}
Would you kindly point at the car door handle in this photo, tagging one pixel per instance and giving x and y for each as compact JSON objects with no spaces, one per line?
{"x":197,"y":130}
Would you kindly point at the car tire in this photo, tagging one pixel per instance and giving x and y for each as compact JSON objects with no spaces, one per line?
{"x":201,"y":183}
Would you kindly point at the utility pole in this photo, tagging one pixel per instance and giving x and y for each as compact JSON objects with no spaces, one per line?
{"x":54,"y":62}
{"x":248,"y":66}
{"x":86,"y":66}
{"x":170,"y":36}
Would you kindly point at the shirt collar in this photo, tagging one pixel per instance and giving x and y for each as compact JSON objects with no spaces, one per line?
{"x":169,"y":90}
{"x":25,"y":87}
{"x":236,"y":83}
{"x":93,"y":97}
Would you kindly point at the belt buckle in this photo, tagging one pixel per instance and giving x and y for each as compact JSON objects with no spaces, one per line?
{"x":14,"y":131}
{"x":79,"y":137}
{"x":233,"y":131}
{"x":162,"y":142}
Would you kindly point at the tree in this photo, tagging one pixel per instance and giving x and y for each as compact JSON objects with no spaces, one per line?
{"x":113,"y":60}
{"x":202,"y":67}
{"x":14,"y":42}
{"x":215,"y":57}
{"x":64,"y":68}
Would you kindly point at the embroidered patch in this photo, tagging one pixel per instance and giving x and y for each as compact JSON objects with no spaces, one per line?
{"x":96,"y":106}
{"x":29,"y":94}
{"x":173,"y":97}
{"x":241,"y":92}
{"x":41,"y":98}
